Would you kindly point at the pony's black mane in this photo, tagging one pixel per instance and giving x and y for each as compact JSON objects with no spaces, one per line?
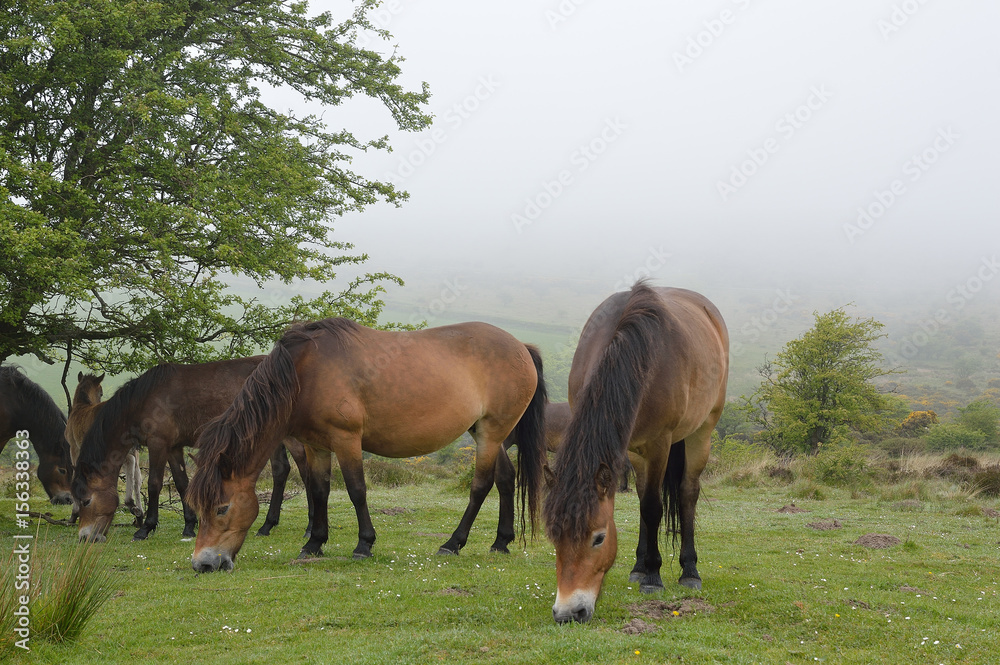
{"x":604,"y":414}
{"x":262,"y":405}
{"x":34,"y":408}
{"x":113,"y":418}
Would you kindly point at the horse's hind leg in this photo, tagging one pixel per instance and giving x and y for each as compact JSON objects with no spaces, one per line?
{"x":133,"y":486}
{"x":318,"y":489}
{"x":482,"y":483}
{"x":505,"y":486}
{"x":179,"y":472}
{"x":696,"y":450}
{"x":279,"y":475}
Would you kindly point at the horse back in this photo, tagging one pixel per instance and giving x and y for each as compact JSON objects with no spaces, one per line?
{"x":404,"y":391}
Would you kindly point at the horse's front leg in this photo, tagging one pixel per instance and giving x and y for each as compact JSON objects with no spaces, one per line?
{"x":179,"y":471}
{"x":482,"y":483}
{"x":133,"y":486}
{"x":279,"y":475}
{"x":157,"y":464}
{"x":318,"y":489}
{"x":354,"y":477}
{"x":651,"y":510}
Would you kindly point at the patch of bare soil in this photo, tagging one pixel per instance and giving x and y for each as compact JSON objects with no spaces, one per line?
{"x":265,"y":497}
{"x":792,"y":508}
{"x":989,"y":512}
{"x":658,"y":609}
{"x":913,"y":589}
{"x":395,"y":510}
{"x":637,"y":627}
{"x":877,"y":541}
{"x":825,"y":525}
{"x":858,"y":603}
{"x":455,"y":591}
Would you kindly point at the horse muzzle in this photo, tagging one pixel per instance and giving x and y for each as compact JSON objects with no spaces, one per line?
{"x":62,"y":499}
{"x":91,"y":534}
{"x":579,"y":607}
{"x":209,"y":561}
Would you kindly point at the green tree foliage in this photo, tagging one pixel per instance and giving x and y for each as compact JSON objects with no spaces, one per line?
{"x":819,"y":389}
{"x":140,"y":171}
{"x":981,"y":416}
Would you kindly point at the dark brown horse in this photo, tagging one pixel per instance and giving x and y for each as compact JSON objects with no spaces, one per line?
{"x":87,"y":403}
{"x":342,"y":388}
{"x":24,"y":406}
{"x":163,"y":409}
{"x":648,"y":379}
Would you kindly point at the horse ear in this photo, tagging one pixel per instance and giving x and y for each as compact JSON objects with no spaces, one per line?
{"x":550,"y":478}
{"x":605,"y":479}
{"x":101,"y":377}
{"x":79,"y":377}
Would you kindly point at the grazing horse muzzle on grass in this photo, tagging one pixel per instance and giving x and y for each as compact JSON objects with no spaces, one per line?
{"x":647,"y":384}
{"x":220,"y":539}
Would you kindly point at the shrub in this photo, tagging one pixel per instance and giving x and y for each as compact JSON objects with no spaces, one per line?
{"x":987,"y":481}
{"x":841,"y":465}
{"x":952,"y":436}
{"x":900,"y":446}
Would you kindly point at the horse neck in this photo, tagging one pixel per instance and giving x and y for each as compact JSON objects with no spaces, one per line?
{"x":45,"y":425}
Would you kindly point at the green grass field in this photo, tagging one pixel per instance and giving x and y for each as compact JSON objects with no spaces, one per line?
{"x":775,"y":589}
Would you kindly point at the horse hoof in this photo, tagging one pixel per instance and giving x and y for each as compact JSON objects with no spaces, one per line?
{"x":690,"y":583}
{"x":310,"y":555}
{"x":140,"y":535}
{"x":650,"y":588}
{"x":501,"y":549}
{"x":358,"y":556}
{"x":636,"y":576}
{"x":444,"y":551}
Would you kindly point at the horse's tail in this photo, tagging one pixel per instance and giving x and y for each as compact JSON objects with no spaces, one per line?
{"x":529,"y":437}
{"x":257,"y":417}
{"x":672,"y":488}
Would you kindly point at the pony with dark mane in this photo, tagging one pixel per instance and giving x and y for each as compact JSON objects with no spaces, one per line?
{"x":87,"y":403}
{"x":164,"y":410}
{"x":25,"y":406}
{"x":343,"y":389}
{"x":648,"y":381}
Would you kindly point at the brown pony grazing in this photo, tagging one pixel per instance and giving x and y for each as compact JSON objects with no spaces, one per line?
{"x":86,"y":405}
{"x":25,"y":406}
{"x":342,"y":388}
{"x":649,"y":380}
{"x":163,"y":410}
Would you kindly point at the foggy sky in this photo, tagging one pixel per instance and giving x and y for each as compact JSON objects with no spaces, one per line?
{"x":740,"y":138}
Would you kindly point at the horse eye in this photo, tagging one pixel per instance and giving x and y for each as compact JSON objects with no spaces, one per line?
{"x":62,"y":471}
{"x":599,"y":539}
{"x":222,"y":510}
{"x":85,"y":502}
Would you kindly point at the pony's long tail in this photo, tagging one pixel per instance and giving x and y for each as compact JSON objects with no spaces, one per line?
{"x":529,"y":437}
{"x":258,"y":416}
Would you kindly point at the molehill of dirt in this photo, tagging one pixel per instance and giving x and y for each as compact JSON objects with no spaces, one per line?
{"x":792,"y":508}
{"x":877,"y":541}
{"x":825,"y":525}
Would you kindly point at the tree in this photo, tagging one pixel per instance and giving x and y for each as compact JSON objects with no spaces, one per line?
{"x":981,"y":416}
{"x":819,"y":387}
{"x":140,"y":172}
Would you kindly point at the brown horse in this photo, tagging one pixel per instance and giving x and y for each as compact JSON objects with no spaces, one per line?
{"x":25,"y":406}
{"x":648,"y":379}
{"x":342,"y":388}
{"x":163,"y":409}
{"x":85,"y":407}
